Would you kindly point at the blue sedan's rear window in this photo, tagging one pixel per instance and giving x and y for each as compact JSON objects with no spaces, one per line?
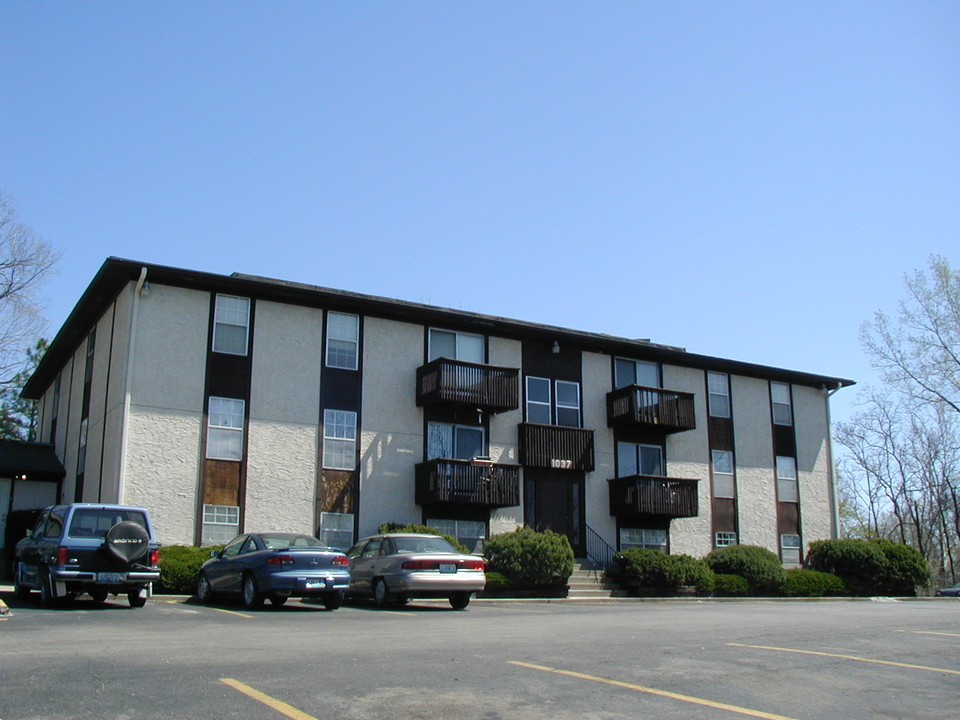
{"x":94,"y":522}
{"x":278,"y":541}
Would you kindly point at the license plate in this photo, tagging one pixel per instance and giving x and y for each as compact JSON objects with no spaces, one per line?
{"x":316,"y":584}
{"x":448,"y":567}
{"x":111,"y":577}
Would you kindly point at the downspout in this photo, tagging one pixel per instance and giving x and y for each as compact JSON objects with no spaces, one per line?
{"x":128,"y":383}
{"x":831,"y":469}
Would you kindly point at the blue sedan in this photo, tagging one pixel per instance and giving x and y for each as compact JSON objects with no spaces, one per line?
{"x":275,"y":566}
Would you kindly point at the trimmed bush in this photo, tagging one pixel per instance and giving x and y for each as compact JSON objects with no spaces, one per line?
{"x":730,"y":586}
{"x":179,"y":566}
{"x":496,"y":581}
{"x":811,"y":583}
{"x":871,"y":567}
{"x":758,"y":566}
{"x":424,"y":529}
{"x":527,"y":557}
{"x":641,"y":567}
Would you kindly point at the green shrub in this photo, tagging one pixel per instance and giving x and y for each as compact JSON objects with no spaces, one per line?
{"x":811,"y":583}
{"x":528,"y":557}
{"x":651,"y":568}
{"x":730,"y":586}
{"x":496,"y":581}
{"x":179,"y":566}
{"x":757,"y":565}
{"x":871,"y":567}
{"x":424,"y":529}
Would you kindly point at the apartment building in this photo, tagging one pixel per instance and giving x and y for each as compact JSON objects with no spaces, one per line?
{"x":226,"y":403}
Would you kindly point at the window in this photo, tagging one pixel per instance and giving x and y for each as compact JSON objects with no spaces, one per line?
{"x":538,"y":401}
{"x":635,"y":372}
{"x":718,"y":394}
{"x":231,"y":320}
{"x":471,"y":533}
{"x":787,"y":479}
{"x":339,"y":439}
{"x":652,"y":539}
{"x":336,"y":530}
{"x":568,"y":403}
{"x":225,"y":429}
{"x":780,"y":400}
{"x":723,"y":483}
{"x":454,"y":442}
{"x":639,"y":459}
{"x":790,"y":548}
{"x":220,"y":524}
{"x":343,"y":340}
{"x":724,"y":539}
{"x":455,"y":346}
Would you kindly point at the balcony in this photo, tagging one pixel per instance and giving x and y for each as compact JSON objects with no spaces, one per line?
{"x":650,"y":408}
{"x":557,"y":447}
{"x":650,"y":495}
{"x":463,"y":482}
{"x":457,"y":383}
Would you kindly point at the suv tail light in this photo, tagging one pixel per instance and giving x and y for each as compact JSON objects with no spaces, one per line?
{"x":62,"y":555}
{"x":154,"y":557}
{"x":279,"y":560}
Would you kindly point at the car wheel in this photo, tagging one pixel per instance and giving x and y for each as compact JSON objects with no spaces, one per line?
{"x":331,"y":601}
{"x":278,"y":600}
{"x":47,"y":596}
{"x":204,"y":593}
{"x":381,"y":594}
{"x":137,"y":598}
{"x":99,"y":596}
{"x":252,"y":598}
{"x":20,"y":591}
{"x":458,"y":601}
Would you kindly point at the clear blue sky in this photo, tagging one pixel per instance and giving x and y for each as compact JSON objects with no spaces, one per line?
{"x":748,"y":180}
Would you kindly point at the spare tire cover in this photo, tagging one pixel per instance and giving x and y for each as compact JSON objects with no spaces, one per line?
{"x":127,"y":541}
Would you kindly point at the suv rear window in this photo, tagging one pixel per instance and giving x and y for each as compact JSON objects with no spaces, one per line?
{"x":94,"y":522}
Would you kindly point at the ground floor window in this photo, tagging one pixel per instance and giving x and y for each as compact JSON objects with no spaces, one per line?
{"x":790,"y":548}
{"x":221,"y":523}
{"x":724,"y":539}
{"x":649,"y":538}
{"x":471,"y":533}
{"x":336,"y":530}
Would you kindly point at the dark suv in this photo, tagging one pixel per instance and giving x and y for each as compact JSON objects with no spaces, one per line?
{"x":92,"y":548}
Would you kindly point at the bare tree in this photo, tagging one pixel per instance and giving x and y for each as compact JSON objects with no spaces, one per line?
{"x":25,"y":261}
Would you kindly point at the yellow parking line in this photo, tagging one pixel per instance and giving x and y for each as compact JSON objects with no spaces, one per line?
{"x":278,"y":705}
{"x":654,"y":691}
{"x":848,"y":657}
{"x":930,"y":632}
{"x":232,"y":612}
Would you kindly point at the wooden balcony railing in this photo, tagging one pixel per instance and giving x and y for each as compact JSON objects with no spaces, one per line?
{"x":555,"y":446}
{"x":454,"y":382}
{"x":463,"y":482}
{"x":652,"y":408}
{"x":650,"y":495}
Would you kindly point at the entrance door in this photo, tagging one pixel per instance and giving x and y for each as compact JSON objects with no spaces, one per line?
{"x":554,"y":501}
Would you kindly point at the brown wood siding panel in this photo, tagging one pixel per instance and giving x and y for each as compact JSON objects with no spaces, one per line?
{"x":788,"y":517}
{"x":335,"y":491}
{"x":724,"y":515}
{"x":222,"y":482}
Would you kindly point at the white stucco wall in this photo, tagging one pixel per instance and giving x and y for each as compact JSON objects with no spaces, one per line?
{"x":391,"y":439}
{"x":756,"y":480}
{"x":503,"y":435}
{"x":813,"y":464}
{"x":597,"y":376}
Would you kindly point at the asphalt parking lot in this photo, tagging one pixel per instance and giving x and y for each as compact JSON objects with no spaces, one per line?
{"x":559,"y":660}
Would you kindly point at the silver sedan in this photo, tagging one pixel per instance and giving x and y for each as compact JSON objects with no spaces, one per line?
{"x":395,"y":567}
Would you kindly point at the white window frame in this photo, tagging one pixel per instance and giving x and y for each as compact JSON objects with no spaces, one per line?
{"x":539,"y":403}
{"x":649,"y":538}
{"x":620,"y":382}
{"x":634,"y":452}
{"x":566,"y":406}
{"x":225,"y":424}
{"x":343,"y":341}
{"x":472,"y":533}
{"x":220,"y":524}
{"x":781,"y":404}
{"x":724,"y":539}
{"x":339,"y":439}
{"x":434,"y":453}
{"x":230,"y":311}
{"x":718,"y":394}
{"x":788,"y":488}
{"x":460,"y":345}
{"x":724,"y":481}
{"x":791,"y":548}
{"x":336,"y":530}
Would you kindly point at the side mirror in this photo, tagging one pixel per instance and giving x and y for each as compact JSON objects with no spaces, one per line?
{"x":214,"y":553}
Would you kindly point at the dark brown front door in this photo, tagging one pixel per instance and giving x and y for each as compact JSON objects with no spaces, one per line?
{"x":554,"y":501}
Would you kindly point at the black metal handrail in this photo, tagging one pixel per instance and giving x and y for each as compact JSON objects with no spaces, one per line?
{"x":599,"y":550}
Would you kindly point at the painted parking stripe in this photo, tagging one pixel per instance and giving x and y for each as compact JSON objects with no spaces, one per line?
{"x":231,"y":612}
{"x":930,"y":632}
{"x":848,"y":657}
{"x":654,"y":691}
{"x":281,"y":707}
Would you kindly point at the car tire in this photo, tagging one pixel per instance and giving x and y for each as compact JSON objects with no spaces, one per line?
{"x":460,"y":600}
{"x":204,"y":592}
{"x":137,"y":598}
{"x":20,"y":591}
{"x":252,"y":599}
{"x":331,"y":601}
{"x":381,"y":593}
{"x":99,"y":596}
{"x":278,"y":600}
